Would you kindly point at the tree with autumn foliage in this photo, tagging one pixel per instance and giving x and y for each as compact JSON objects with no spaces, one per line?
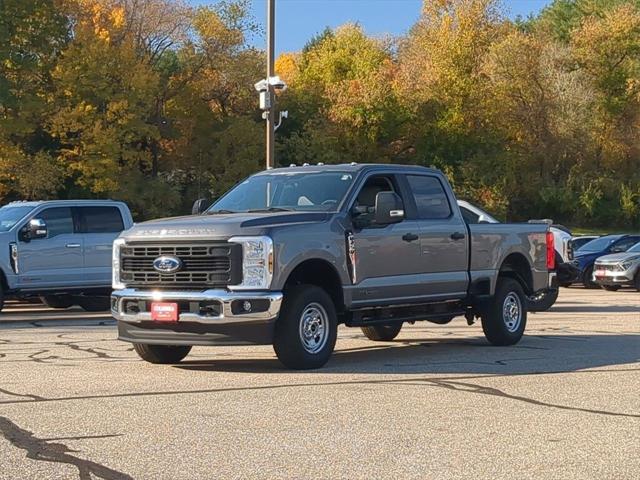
{"x":152,"y":102}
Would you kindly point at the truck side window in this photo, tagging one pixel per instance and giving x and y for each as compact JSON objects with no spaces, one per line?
{"x":469,"y":217}
{"x":59,"y":220}
{"x":100,"y":220}
{"x":431,"y":199}
{"x":366,"y":200}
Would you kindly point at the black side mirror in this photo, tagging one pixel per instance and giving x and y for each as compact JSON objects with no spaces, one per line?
{"x":36,"y":228}
{"x":388,"y":208}
{"x":199,"y":206}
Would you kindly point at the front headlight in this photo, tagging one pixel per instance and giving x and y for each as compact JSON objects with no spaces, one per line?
{"x":626,"y":265}
{"x":257,"y":262}
{"x":116,"y":284}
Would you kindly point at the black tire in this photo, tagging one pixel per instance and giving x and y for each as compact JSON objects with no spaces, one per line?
{"x":57,"y":301}
{"x":310,"y":306}
{"x":565,"y":285}
{"x":382,"y":333}
{"x":94,"y":304}
{"x":586,"y":279}
{"x":164,"y":354}
{"x":636,"y":282}
{"x":1,"y":298}
{"x":543,"y":302}
{"x":497,"y":328}
{"x":611,"y":288}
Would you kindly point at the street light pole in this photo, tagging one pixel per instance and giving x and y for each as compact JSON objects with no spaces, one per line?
{"x":271,"y":15}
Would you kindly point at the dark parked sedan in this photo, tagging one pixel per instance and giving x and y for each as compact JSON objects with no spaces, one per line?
{"x":586,"y":256}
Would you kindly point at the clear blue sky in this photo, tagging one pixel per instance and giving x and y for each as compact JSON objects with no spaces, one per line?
{"x":298,"y":20}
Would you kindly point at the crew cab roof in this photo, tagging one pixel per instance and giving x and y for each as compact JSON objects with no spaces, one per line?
{"x":79,"y":203}
{"x":350,"y":167}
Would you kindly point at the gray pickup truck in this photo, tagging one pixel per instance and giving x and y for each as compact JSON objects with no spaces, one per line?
{"x":60,"y":250}
{"x":288,"y":254}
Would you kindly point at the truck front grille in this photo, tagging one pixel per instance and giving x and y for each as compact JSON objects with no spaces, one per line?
{"x":204,"y":265}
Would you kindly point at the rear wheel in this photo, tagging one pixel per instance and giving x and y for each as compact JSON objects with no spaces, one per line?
{"x":57,"y":301}
{"x":505,"y":318}
{"x":166,"y":354}
{"x":306,"y":330}
{"x":382,"y":333}
{"x":587,"y":280}
{"x":611,"y":288}
{"x":543,"y":301}
{"x":94,"y":304}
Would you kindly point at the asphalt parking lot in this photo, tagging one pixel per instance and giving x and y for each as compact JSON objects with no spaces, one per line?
{"x":436,"y":403}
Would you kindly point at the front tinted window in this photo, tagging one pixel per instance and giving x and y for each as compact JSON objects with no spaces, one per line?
{"x":624,"y":244}
{"x":635,"y":248}
{"x":100,"y":220}
{"x":10,"y":215}
{"x":287,"y":190}
{"x":430,"y":197}
{"x":59,"y":220}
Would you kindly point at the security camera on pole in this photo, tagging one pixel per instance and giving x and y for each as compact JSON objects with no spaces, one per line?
{"x":267,"y":87}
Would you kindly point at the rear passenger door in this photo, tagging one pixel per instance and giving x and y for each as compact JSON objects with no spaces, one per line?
{"x":54,"y":261}
{"x":99,"y":226}
{"x":444,"y":241}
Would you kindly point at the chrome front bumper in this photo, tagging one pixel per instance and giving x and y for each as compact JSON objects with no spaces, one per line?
{"x":228,"y":305}
{"x":612,"y":277}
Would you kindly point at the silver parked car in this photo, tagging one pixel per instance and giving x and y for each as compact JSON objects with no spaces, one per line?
{"x":618,"y":269}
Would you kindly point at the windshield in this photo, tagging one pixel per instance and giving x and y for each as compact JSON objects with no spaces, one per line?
{"x":10,"y":215}
{"x":635,"y":248}
{"x":281,"y":191}
{"x":599,"y":244}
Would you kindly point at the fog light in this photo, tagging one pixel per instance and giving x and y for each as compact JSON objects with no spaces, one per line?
{"x":246,"y":306}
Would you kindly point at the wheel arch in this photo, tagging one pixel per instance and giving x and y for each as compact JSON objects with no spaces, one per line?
{"x":516,"y":266}
{"x":321,"y":273}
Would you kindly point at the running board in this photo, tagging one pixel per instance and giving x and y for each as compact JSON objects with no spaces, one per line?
{"x":404,"y":314}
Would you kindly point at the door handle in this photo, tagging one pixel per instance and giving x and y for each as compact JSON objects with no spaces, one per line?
{"x":457,"y":236}
{"x":73,"y":245}
{"x":409,"y":237}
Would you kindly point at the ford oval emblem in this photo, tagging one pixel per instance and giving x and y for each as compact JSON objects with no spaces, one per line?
{"x":166,"y":264}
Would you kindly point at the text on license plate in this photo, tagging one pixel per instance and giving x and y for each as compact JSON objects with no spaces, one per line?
{"x":164,"y":311}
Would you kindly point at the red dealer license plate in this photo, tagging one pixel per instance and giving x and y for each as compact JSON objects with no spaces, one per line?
{"x":164,"y":312}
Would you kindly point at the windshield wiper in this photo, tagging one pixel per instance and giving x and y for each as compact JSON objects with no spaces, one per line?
{"x":271,"y":209}
{"x":220,"y":211}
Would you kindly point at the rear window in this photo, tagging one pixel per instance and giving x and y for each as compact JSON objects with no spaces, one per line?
{"x":100,"y":220}
{"x":430,"y":197}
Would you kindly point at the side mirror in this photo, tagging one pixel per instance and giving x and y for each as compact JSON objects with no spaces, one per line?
{"x":388,"y":208}
{"x":36,"y":228}
{"x":199,"y":206}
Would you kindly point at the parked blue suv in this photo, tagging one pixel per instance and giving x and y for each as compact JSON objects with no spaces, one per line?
{"x":585,"y":257}
{"x":60,"y":251}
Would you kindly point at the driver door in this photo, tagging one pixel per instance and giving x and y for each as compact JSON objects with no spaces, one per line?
{"x":56,"y":260}
{"x":388,"y":257}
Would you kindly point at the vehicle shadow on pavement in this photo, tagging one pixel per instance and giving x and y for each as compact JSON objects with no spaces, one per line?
{"x":596,"y":308}
{"x":535,"y":354}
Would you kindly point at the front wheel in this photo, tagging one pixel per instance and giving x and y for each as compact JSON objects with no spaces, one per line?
{"x":505,"y":318}
{"x":543,"y":301}
{"x":164,"y":354}
{"x":307,"y":328}
{"x":636,"y":282}
{"x":94,"y":304}
{"x":611,"y":288}
{"x":382,"y":333}
{"x":57,"y":301}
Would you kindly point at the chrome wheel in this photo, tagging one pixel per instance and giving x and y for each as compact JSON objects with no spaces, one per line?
{"x":512,"y":312}
{"x":314,"y":328}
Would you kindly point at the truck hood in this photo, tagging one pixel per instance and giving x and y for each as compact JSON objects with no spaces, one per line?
{"x":218,"y":225}
{"x":618,"y":257}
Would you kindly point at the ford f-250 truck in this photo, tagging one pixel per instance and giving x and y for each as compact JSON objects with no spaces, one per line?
{"x":288,"y":254}
{"x":60,"y":250}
